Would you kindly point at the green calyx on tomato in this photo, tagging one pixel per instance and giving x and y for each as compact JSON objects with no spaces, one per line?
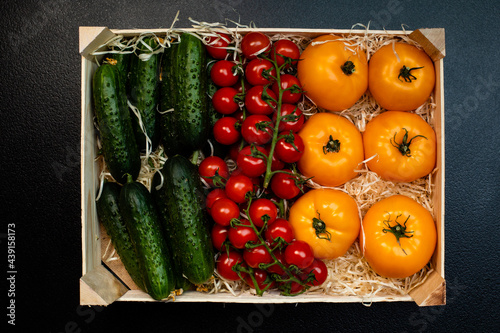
{"x":404,"y":146}
{"x":332,"y":146}
{"x":398,"y":230}
{"x":348,"y":68}
{"x":405,"y":72}
{"x":320,"y":228}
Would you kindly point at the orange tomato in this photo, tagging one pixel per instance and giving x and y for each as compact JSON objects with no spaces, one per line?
{"x":326,"y":219}
{"x":404,"y":145}
{"x":334,"y":74}
{"x":398,"y":237}
{"x":333,"y":149}
{"x":400,"y":77}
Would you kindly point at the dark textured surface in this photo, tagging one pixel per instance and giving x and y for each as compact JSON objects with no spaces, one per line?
{"x":40,"y":131}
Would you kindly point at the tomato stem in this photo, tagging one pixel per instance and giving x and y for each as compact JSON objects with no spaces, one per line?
{"x":398,"y":230}
{"x":404,"y":146}
{"x":320,"y":228}
{"x":332,"y":146}
{"x":405,"y":72}
{"x":348,"y":67}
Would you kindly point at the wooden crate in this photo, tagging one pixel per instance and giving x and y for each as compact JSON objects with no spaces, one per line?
{"x":103,"y":284}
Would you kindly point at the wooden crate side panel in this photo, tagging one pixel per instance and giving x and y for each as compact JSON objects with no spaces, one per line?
{"x":90,"y":226}
{"x":272,"y":297}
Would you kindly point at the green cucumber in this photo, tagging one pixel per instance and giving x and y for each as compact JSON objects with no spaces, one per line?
{"x":159,"y":198}
{"x":141,"y":218}
{"x":109,"y":214}
{"x":184,"y":202}
{"x":143,"y":92}
{"x":115,"y":125}
{"x":122,"y":63}
{"x":185,"y":129}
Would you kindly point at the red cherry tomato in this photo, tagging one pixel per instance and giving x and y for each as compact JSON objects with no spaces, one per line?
{"x":223,"y":73}
{"x":251,"y":166}
{"x":257,"y":102}
{"x":261,"y":278}
{"x":299,"y":253}
{"x":225,"y":264}
{"x":290,"y":148}
{"x":284,"y":185}
{"x":213,"y":196}
{"x":280,"y":228}
{"x":224,"y":210}
{"x":320,"y":271}
{"x":260,"y":72}
{"x":213,"y":165}
{"x":255,"y":129}
{"x":240,"y":235}
{"x":219,"y":236}
{"x":223,"y":100}
{"x":234,"y":150}
{"x":239,"y":87}
{"x":255,"y":43}
{"x":260,"y":208}
{"x":294,"y":92}
{"x":276,"y":268}
{"x":237,"y":188}
{"x":291,"y":111}
{"x":217,"y":45}
{"x":225,"y":131}
{"x":285,"y":48}
{"x":276,"y":163}
{"x":257,"y":255}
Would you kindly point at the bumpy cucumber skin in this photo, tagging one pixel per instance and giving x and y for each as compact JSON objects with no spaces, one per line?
{"x":115,"y":125}
{"x":141,"y":218}
{"x":159,"y":197}
{"x":122,"y":63}
{"x":184,"y":201}
{"x":143,"y":91}
{"x":186,"y":74}
{"x":109,"y":214}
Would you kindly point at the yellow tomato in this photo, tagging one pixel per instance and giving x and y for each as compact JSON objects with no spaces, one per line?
{"x":328,"y":220}
{"x":334,"y":73}
{"x":398,"y":237}
{"x":400,"y":77}
{"x":333,"y":149}
{"x":404,"y":146}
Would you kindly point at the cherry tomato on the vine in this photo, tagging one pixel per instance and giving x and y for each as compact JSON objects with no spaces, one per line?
{"x":240,"y":235}
{"x":217,"y":45}
{"x":238,"y":187}
{"x":255,"y":43}
{"x":223,"y":100}
{"x":294,"y":92}
{"x":252,"y":166}
{"x":213,"y":196}
{"x":261,"y":277}
{"x":257,"y":128}
{"x":219,"y":236}
{"x":320,"y":271}
{"x":225,"y":131}
{"x":257,"y":255}
{"x":294,"y":118}
{"x":260,"y":72}
{"x":276,"y":268}
{"x":285,"y":48}
{"x":223,"y":73}
{"x":225,"y":264}
{"x":224,"y":210}
{"x":285,"y":185}
{"x":260,"y":101}
{"x":279,"y":228}
{"x":211,"y":166}
{"x":299,"y":253}
{"x":259,"y":209}
{"x":290,"y":147}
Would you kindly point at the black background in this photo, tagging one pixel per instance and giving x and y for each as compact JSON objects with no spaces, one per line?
{"x":40,"y":165}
